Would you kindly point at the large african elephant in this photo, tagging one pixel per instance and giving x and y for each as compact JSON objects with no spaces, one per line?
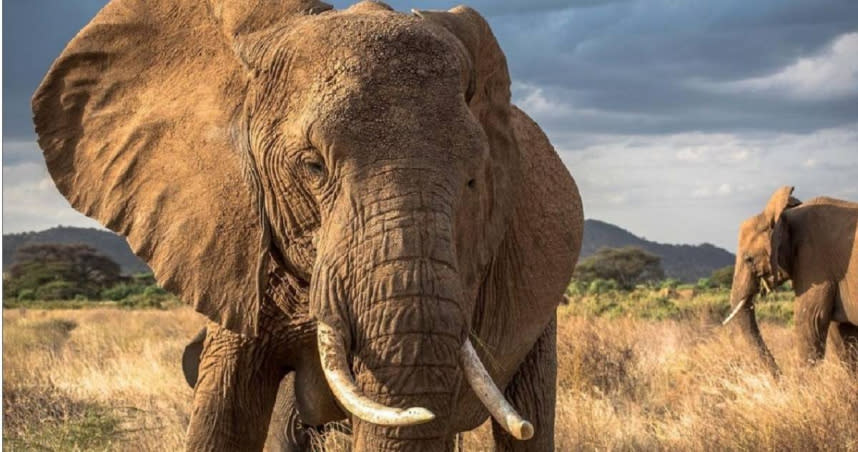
{"x":349,"y":196}
{"x":815,"y":245}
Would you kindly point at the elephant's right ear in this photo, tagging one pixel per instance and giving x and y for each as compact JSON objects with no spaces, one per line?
{"x":135,"y":119}
{"x":488,"y":97}
{"x":780,"y":200}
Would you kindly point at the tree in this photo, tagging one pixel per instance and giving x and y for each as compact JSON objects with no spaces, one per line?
{"x":723,"y":277}
{"x":628,"y":266}
{"x":61,"y":271}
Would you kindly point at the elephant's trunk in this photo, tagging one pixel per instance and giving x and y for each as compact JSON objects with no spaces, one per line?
{"x":389,"y":299}
{"x":743,"y":316}
{"x":391,"y":312}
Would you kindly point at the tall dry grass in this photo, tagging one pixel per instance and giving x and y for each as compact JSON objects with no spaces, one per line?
{"x":110,"y":379}
{"x":95,"y":379}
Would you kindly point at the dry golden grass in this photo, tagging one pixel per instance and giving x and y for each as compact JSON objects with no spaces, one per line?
{"x":95,"y":379}
{"x":110,"y":379}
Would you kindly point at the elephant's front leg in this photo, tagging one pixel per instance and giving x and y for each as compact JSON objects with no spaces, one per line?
{"x":533,"y":392}
{"x":813,"y":310}
{"x":844,"y":342}
{"x":235,"y":392}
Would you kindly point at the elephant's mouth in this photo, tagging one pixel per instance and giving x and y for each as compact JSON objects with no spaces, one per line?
{"x":332,"y":353}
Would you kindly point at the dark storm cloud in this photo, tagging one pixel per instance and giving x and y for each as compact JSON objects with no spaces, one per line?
{"x":655,"y":57}
{"x":34,"y":33}
{"x":619,"y":57}
{"x":677,"y":117}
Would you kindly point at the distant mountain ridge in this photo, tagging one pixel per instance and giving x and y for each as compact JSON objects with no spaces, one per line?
{"x":687,"y":263}
{"x":683,"y":262}
{"x":108,"y":243}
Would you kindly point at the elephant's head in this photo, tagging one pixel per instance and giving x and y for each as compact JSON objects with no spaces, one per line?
{"x":762,"y":263}
{"x":369,"y":153}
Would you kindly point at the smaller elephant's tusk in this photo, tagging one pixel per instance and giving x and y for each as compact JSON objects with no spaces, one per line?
{"x":735,"y":311}
{"x":766,"y":288}
{"x":482,"y":384}
{"x":333,"y":356}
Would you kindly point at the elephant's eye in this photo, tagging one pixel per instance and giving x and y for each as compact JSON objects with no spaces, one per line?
{"x":314,"y":167}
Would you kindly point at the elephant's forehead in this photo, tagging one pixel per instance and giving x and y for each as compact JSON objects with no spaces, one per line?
{"x":371,"y":43}
{"x":375,"y":77}
{"x":752,"y":233}
{"x":361,"y":61}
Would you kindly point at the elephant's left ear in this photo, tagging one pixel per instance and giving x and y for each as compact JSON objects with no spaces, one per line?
{"x":780,"y":201}
{"x":488,"y":96}
{"x":135,"y":119}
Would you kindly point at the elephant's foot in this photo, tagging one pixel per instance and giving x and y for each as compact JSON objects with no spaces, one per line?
{"x":844,"y":343}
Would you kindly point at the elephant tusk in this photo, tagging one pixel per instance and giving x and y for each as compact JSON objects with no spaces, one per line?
{"x":766,"y":288}
{"x":735,"y":311}
{"x":490,"y":395}
{"x":333,"y":357}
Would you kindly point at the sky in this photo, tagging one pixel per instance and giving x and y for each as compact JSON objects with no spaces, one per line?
{"x":677,"y":118}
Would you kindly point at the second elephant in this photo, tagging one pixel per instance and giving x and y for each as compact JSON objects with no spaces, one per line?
{"x":814,"y":244}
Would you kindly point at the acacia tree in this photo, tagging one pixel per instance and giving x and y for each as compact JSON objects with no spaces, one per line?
{"x":61,"y":270}
{"x":628,"y":266}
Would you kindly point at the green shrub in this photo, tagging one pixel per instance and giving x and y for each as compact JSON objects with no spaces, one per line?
{"x":151,"y":297}
{"x":80,"y":297}
{"x":723,"y":277}
{"x":121,"y":291}
{"x":576,"y":288}
{"x":669,"y":283}
{"x":153,"y":291}
{"x":58,"y":290}
{"x":705,"y":283}
{"x":26,"y":295}
{"x":600,"y":286}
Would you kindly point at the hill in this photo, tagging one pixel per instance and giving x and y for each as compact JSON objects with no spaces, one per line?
{"x":683,"y":262}
{"x":108,"y":243}
{"x":686,"y":263}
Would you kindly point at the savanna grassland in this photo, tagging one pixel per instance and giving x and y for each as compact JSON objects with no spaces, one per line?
{"x":638,"y":371}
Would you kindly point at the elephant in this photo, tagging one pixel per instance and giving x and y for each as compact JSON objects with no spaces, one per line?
{"x":813,"y":244}
{"x":349,"y":196}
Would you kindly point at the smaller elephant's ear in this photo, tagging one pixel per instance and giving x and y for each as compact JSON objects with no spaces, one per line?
{"x":780,"y":201}
{"x":488,"y":96}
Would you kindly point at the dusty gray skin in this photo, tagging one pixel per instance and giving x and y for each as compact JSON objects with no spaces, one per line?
{"x":280,"y":165}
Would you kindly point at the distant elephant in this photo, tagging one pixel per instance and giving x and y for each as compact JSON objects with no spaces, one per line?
{"x":349,"y":196}
{"x":814,"y":244}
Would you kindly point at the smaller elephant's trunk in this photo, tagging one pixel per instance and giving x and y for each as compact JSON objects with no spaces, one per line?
{"x":742,"y":299}
{"x":335,"y":365}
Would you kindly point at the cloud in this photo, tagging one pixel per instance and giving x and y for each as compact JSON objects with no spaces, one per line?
{"x":829,"y":75}
{"x":649,"y":67}
{"x":30,"y":198}
{"x":697,"y":187}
